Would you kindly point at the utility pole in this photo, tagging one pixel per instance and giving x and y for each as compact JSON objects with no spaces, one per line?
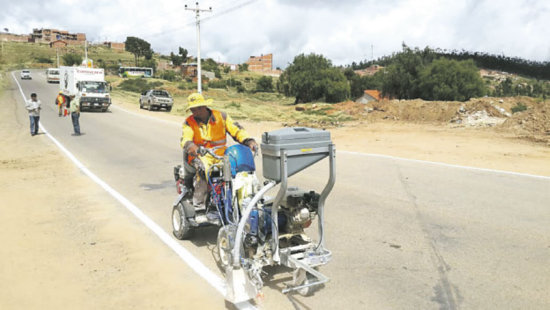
{"x":197,"y":11}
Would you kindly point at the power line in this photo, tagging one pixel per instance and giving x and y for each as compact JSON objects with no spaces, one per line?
{"x":221,"y":13}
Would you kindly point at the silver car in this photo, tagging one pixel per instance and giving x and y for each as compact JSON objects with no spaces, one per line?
{"x":155,"y":99}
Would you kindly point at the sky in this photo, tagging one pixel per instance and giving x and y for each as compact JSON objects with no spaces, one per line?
{"x":343,"y":31}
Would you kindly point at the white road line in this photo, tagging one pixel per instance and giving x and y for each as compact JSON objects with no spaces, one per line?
{"x":215,"y":281}
{"x":448,"y":165}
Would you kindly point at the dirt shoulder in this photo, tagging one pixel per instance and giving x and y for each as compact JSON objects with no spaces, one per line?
{"x":67,"y":244}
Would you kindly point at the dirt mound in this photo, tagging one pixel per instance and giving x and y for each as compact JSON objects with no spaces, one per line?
{"x":533,"y":123}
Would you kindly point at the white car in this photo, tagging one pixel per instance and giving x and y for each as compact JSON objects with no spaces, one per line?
{"x":26,"y":75}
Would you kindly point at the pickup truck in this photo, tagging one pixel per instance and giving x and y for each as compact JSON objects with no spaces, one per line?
{"x":156,"y":99}
{"x":26,"y":75}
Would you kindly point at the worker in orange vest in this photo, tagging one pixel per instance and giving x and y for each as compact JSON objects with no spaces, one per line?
{"x":61,"y":100}
{"x":208,"y":128}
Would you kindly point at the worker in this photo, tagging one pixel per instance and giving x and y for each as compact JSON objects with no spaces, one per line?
{"x":208,"y":128}
{"x":61,"y":101}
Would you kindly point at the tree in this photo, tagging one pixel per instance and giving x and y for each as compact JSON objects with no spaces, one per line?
{"x":139,"y":48}
{"x":264,"y":84}
{"x":71,"y":59}
{"x":243,"y":67}
{"x":177,"y":60}
{"x":446,"y":79}
{"x":312,"y":77}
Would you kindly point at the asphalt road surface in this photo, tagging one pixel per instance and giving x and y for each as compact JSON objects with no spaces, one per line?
{"x":404,"y":234}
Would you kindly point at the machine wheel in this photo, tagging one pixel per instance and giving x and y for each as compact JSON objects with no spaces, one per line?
{"x":308,"y":291}
{"x":226,"y":239}
{"x":180,"y":224}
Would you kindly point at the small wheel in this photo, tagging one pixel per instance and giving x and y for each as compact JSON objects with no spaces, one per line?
{"x":226,"y":240}
{"x":310,"y":290}
{"x":180,"y":224}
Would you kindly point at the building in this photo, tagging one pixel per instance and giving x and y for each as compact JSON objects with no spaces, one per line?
{"x":44,"y":35}
{"x":58,"y":44}
{"x":11,"y":37}
{"x":115,"y":46}
{"x":369,"y":95}
{"x":261,"y":64}
{"x":189,"y":70}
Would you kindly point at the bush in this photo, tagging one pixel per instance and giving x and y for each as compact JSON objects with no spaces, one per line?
{"x":264,"y":84}
{"x":519,"y":107}
{"x":234,"y":83}
{"x":72,"y":59}
{"x":169,"y":75}
{"x":241,"y":89}
{"x":43,"y":60}
{"x":217,"y":84}
{"x":138,"y":85}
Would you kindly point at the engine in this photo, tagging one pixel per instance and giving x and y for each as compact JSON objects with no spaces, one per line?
{"x":297,"y":211}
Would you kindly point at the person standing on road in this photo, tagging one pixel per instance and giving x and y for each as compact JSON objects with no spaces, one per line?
{"x":208,"y":128}
{"x":60,"y":101}
{"x":33,"y":105}
{"x":75,"y":114}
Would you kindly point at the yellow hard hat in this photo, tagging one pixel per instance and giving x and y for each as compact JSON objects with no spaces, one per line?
{"x":60,"y":91}
{"x":197,"y":100}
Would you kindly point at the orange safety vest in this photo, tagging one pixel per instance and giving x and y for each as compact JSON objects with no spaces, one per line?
{"x":60,"y":99}
{"x":216,"y":126}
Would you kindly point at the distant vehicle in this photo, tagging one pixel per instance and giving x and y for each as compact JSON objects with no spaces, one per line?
{"x":89,"y":83}
{"x":52,"y":75}
{"x":135,"y":72}
{"x":156,"y":99}
{"x":26,"y":75}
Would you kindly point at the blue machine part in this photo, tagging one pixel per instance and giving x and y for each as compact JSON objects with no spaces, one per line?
{"x":240,"y":158}
{"x":281,"y":219}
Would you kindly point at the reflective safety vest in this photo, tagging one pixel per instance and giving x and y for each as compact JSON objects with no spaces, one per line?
{"x":216,"y":131}
{"x":60,"y":99}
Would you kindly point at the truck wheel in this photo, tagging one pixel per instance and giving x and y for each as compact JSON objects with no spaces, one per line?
{"x":180,"y":224}
{"x":140,"y":105}
{"x":169,"y":109}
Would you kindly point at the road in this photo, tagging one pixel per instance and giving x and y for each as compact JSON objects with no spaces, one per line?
{"x":404,"y":234}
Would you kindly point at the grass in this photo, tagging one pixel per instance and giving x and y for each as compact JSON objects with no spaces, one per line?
{"x":240,"y":105}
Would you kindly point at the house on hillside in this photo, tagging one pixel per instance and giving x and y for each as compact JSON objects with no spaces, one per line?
{"x":369,"y":95}
{"x":58,"y":44}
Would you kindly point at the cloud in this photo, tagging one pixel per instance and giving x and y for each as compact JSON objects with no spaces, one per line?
{"x":343,"y":31}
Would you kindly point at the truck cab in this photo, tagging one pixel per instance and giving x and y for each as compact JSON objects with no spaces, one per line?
{"x":87,"y":83}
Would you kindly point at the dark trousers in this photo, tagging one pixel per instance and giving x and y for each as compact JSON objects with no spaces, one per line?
{"x":34,"y":124}
{"x":75,"y":116}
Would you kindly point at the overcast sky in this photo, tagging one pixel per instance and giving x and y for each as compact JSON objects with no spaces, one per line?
{"x":343,"y":30}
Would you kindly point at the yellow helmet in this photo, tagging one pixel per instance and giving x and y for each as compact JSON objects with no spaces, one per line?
{"x":197,"y":100}
{"x":60,"y":91}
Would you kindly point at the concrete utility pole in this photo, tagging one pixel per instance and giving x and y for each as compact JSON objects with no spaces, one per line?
{"x":197,"y":17}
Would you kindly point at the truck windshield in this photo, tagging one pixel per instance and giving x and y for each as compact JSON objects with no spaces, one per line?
{"x":95,"y":87}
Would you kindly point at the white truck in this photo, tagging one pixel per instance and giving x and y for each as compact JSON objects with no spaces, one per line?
{"x":89,"y":84}
{"x":52,"y":75}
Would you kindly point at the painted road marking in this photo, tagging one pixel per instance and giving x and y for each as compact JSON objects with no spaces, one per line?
{"x":448,"y":165}
{"x":215,"y":281}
